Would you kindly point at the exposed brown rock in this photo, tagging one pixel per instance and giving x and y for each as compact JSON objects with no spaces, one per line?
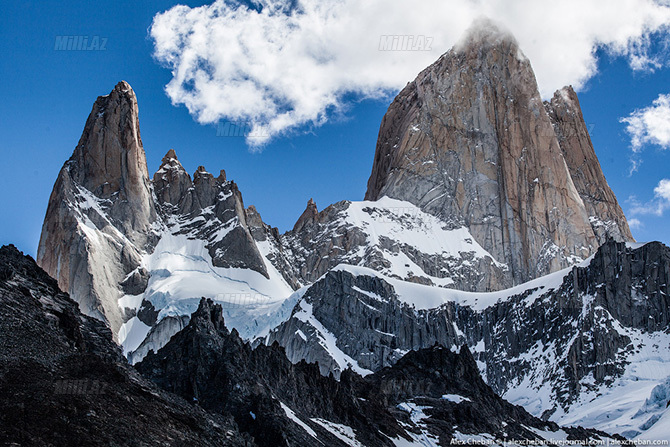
{"x":605,"y":214}
{"x":470,"y":141}
{"x":101,"y":211}
{"x":310,"y":215}
{"x":173,"y":186}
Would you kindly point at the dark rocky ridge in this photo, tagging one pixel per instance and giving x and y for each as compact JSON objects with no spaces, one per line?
{"x":620,"y":286}
{"x":63,"y":381}
{"x":208,"y":364}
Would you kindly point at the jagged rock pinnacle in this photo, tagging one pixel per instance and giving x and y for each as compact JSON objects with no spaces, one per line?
{"x":171,"y":155}
{"x":470,"y":141}
{"x":308,"y":216}
{"x":108,"y":174}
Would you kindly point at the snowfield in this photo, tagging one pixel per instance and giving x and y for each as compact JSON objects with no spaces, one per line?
{"x":181,"y":272}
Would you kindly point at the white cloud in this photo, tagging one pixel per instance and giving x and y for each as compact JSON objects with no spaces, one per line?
{"x":282,"y":67}
{"x":635,"y":224}
{"x":650,"y":125}
{"x":662,"y":191}
{"x":657,"y":205}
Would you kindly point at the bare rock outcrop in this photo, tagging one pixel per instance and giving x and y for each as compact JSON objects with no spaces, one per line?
{"x":101,"y":211}
{"x":605,"y":214}
{"x":470,"y":141}
{"x":207,"y":208}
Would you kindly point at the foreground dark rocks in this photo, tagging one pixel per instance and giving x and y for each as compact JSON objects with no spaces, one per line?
{"x":63,"y":381}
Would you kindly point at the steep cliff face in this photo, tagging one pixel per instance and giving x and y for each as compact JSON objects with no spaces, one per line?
{"x":101,"y":213}
{"x":605,"y":214}
{"x":470,"y":141}
{"x":429,"y":397}
{"x":562,"y":346}
{"x":109,"y":161}
{"x":119,"y":241}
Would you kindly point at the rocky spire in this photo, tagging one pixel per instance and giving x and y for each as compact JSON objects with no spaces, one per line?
{"x":110,"y":161}
{"x":605,"y":214}
{"x":469,"y":140}
{"x":308,"y":216}
{"x":173,"y":186}
{"x":100,"y":213}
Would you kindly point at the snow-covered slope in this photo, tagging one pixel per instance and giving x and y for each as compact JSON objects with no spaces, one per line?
{"x":181,"y":273}
{"x":181,"y":270}
{"x":628,"y":404}
{"x":563,"y":346}
{"x":425,"y":297}
{"x":395,"y":238}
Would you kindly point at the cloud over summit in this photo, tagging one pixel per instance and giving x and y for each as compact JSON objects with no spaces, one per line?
{"x":282,"y":65}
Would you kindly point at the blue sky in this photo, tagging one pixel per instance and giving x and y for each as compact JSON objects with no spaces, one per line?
{"x":47,"y":96}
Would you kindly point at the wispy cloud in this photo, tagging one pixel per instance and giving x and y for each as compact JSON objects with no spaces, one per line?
{"x":284,"y":64}
{"x":649,"y":126}
{"x":657,"y":206}
{"x":635,"y":224}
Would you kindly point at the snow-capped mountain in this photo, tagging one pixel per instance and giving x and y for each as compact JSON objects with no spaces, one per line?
{"x":587,"y":345}
{"x":470,"y":141}
{"x":101,"y":215}
{"x":393,"y":237}
{"x":65,"y":382}
{"x":487,"y":223}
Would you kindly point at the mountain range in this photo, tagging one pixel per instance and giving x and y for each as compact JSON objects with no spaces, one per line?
{"x":490,"y":263}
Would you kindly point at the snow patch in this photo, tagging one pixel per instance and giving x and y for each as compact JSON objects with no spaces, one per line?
{"x":430,"y":297}
{"x":292,"y":416}
{"x":342,"y":432}
{"x":455,"y":398}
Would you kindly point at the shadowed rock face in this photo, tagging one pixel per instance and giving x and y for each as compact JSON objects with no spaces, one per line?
{"x":207,"y":363}
{"x":593,"y":319}
{"x":100,"y":213}
{"x":64,"y":382}
{"x":469,"y":140}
